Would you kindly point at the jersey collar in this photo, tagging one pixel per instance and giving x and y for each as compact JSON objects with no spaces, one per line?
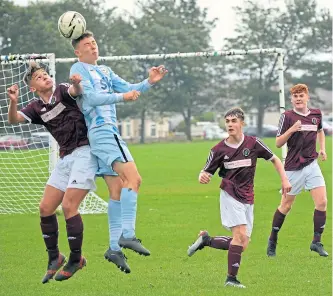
{"x":49,"y":102}
{"x":235,"y":146}
{"x":302,"y":114}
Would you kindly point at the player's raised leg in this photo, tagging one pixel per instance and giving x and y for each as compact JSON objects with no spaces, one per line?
{"x":114,"y":253}
{"x":319,"y":219}
{"x":205,"y":240}
{"x":49,"y":225}
{"x":128,"y":198}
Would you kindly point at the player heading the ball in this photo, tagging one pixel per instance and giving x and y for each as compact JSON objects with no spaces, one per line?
{"x":102,"y":90}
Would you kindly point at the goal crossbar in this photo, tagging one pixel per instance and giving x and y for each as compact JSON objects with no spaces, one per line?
{"x":52,"y":61}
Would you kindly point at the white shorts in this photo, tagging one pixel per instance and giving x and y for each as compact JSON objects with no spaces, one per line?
{"x":307,"y":178}
{"x":234,"y":213}
{"x":76,"y":170}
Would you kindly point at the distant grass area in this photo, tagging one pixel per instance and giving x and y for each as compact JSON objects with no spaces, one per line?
{"x":173,"y":207}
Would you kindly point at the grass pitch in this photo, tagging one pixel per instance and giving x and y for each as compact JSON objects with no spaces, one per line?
{"x":173,"y":207}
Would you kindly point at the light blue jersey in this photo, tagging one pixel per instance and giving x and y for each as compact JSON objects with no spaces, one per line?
{"x":102,"y":89}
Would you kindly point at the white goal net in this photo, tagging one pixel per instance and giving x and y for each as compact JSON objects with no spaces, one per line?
{"x":28,"y":152}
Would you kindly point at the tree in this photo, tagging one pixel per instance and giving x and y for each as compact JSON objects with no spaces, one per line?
{"x":300,"y":28}
{"x":170,"y":26}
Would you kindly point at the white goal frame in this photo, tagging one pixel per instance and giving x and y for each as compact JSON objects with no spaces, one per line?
{"x":52,"y":61}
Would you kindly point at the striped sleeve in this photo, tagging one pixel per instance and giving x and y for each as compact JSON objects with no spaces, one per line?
{"x":263,"y":151}
{"x":283,"y":126}
{"x":320,"y":125}
{"x":213,"y":162}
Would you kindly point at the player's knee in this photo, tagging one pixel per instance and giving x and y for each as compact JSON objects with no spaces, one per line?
{"x":135,"y":182}
{"x":46,"y":210}
{"x":240,"y":239}
{"x":285,"y":207}
{"x":68,"y":206}
{"x":321,"y":204}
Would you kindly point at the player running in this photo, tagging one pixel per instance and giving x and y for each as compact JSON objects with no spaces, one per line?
{"x":236,"y":158}
{"x":74,"y":173}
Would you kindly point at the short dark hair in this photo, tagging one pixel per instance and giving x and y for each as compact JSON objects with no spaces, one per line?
{"x":86,"y":34}
{"x":33,"y":68}
{"x":237,"y":112}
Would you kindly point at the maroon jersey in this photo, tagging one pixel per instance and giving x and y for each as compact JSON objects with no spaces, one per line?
{"x":301,"y":145}
{"x":237,"y":165}
{"x":61,"y":117}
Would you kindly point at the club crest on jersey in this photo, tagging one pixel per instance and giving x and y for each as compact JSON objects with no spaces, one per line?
{"x":246,"y":152}
{"x":53,"y":100}
{"x":314,"y":120}
{"x":104,"y":71}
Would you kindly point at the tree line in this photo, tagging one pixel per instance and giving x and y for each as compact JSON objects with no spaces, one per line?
{"x":192,"y":86}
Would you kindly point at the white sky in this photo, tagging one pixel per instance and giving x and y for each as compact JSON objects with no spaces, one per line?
{"x":222,"y":10}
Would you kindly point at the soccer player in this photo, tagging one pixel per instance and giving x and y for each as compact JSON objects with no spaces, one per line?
{"x":74,"y":174}
{"x":102,"y":90}
{"x":300,"y":128}
{"x":236,"y":159}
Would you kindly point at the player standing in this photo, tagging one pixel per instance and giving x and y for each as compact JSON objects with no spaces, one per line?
{"x":102,"y":89}
{"x":300,"y":128}
{"x":74,"y":174}
{"x":236,"y":159}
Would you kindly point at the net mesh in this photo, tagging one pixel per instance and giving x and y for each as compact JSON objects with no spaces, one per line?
{"x":25,"y":152}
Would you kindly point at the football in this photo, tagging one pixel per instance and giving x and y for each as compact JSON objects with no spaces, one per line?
{"x":71,"y":24}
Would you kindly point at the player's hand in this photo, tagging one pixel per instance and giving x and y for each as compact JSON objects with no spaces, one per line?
{"x":132,"y":95}
{"x":296,"y":127}
{"x":204,"y":177}
{"x":156,"y":74}
{"x":75,"y":79}
{"x":13,"y":93}
{"x":322,"y":155}
{"x":286,"y":187}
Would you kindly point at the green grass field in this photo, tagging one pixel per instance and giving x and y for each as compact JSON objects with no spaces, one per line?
{"x":173,"y":207}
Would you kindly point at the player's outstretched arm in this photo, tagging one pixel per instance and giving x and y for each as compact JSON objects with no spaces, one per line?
{"x":13,"y":115}
{"x":122,"y":86}
{"x":281,"y":140}
{"x":286,"y":187}
{"x":322,"y":148}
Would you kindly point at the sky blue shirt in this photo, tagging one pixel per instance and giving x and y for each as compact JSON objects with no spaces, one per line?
{"x":102,"y":89}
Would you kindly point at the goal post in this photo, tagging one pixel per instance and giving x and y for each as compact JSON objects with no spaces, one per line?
{"x":28,"y":153}
{"x":26,"y":160}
